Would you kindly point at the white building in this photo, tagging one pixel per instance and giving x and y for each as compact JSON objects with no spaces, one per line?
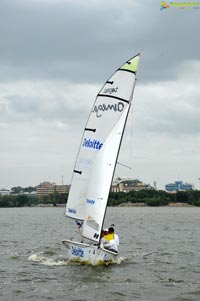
{"x":5,"y":192}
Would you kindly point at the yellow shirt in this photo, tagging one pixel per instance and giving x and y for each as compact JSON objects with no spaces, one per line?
{"x":109,"y":236}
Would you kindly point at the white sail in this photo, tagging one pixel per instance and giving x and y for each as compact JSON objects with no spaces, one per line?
{"x":99,"y":150}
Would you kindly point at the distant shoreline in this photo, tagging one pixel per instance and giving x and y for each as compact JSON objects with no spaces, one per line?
{"x":177,"y":205}
{"x":127,"y":205}
{"x":144,"y":205}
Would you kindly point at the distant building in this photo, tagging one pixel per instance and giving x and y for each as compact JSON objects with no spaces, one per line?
{"x":178,"y":186}
{"x":62,"y":188}
{"x":33,"y":193}
{"x":47,"y":188}
{"x":5,"y":192}
{"x":126,"y":185}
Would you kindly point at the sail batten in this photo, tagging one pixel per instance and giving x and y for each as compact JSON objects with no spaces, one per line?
{"x":115,"y":97}
{"x":99,"y":149}
{"x":78,"y":171}
{"x":127,"y":70}
{"x":90,"y":130}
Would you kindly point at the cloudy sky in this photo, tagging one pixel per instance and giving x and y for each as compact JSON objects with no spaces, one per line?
{"x":54,"y":57}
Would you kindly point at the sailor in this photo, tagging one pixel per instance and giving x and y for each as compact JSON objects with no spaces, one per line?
{"x":105,"y":233}
{"x":112,"y":243}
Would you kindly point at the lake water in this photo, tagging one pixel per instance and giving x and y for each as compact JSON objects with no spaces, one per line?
{"x":159,"y":256}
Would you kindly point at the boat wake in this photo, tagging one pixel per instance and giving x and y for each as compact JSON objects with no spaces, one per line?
{"x":49,"y":261}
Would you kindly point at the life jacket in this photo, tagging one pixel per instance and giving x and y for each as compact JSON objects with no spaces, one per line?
{"x":109,"y":236}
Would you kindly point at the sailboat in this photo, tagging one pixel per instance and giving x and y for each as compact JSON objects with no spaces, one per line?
{"x":96,"y":161}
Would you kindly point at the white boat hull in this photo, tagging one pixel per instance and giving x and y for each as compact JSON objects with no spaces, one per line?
{"x":91,"y":254}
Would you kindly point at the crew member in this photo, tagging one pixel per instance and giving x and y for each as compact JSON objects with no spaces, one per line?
{"x":113,"y":243}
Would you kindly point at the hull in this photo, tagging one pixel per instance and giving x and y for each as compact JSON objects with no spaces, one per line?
{"x":82,"y":252}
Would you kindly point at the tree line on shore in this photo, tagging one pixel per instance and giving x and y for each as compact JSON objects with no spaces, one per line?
{"x":147,"y":197}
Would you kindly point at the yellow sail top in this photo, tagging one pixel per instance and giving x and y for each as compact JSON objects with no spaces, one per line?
{"x":132,"y":64}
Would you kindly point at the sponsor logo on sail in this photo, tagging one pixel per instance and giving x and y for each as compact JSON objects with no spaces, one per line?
{"x":116,"y":107}
{"x":70,"y":210}
{"x":77,"y":251}
{"x":110,"y":90}
{"x":92,"y":143}
{"x":92,"y":202}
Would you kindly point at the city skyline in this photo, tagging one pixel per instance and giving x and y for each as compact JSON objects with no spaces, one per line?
{"x":153,"y":184}
{"x":55,"y":57}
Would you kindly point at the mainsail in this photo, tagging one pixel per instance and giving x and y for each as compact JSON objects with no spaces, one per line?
{"x":99,"y":148}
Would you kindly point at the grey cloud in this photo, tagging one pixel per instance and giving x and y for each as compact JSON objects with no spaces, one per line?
{"x":79,"y":41}
{"x":36,"y":109}
{"x":54,"y":57}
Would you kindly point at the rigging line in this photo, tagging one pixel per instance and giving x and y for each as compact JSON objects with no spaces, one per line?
{"x":131,"y":142}
{"x":124,"y":165}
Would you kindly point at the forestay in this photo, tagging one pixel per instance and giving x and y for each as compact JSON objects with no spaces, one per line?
{"x":99,"y":148}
